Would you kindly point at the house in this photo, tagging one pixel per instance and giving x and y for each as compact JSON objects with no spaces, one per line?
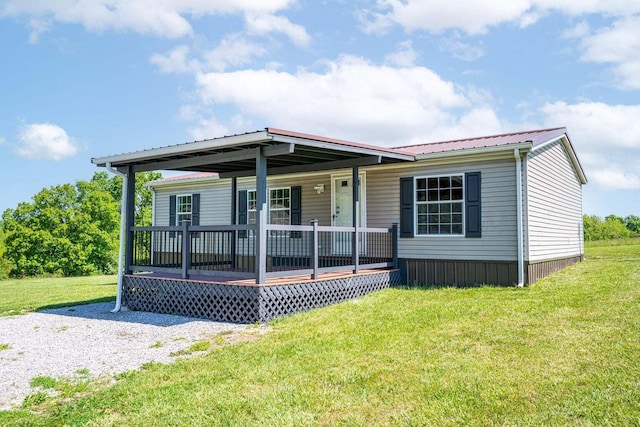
{"x":274,"y":222}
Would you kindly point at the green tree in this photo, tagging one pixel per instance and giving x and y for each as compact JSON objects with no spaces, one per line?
{"x":613,"y":227}
{"x":71,"y":230}
{"x":4,"y":263}
{"x":632,"y":223}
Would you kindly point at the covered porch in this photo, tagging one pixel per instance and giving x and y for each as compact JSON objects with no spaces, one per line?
{"x":248,"y":272}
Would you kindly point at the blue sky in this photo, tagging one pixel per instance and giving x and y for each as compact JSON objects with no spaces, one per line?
{"x":82,"y":79}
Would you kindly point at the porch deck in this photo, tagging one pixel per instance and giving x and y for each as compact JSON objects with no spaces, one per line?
{"x":230,"y":299}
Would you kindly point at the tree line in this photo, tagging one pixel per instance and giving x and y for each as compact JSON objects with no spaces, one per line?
{"x":611,"y":227}
{"x":73,"y":229}
{"x":70,"y":229}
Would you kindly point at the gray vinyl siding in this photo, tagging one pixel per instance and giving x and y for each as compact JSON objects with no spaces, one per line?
{"x":498,"y":192}
{"x":554,"y":205}
{"x":215,"y":198}
{"x":215,"y":202}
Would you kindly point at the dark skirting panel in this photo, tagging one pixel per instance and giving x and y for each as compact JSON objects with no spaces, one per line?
{"x":539,"y":269}
{"x":429,"y":272}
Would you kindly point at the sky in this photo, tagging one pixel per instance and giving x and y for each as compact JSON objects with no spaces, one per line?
{"x":91,"y":78}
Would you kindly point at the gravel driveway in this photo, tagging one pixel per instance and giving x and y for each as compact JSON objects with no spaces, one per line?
{"x":65,"y":341}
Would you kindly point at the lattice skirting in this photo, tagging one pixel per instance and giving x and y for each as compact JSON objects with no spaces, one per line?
{"x":246,"y":304}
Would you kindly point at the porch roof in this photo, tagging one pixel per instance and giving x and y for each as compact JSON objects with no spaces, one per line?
{"x":288,"y":152}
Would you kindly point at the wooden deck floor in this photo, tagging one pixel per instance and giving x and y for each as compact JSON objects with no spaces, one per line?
{"x":271,"y":281}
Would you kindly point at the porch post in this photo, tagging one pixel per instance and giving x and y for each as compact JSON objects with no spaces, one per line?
{"x":355,"y":260}
{"x":261,"y":217}
{"x":234,"y":212}
{"x":314,"y":249}
{"x":129,"y":218}
{"x":186,"y":249}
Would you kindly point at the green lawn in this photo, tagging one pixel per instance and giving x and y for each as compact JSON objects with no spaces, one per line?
{"x":565,"y":351}
{"x":25,"y":295}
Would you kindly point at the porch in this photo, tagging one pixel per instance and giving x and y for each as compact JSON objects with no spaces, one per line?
{"x":212,"y":271}
{"x":252,"y":270}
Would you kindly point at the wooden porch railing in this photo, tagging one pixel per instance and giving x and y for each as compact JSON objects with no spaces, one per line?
{"x":230,"y":250}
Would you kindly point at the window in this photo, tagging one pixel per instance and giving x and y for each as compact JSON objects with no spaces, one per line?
{"x":440,"y":205}
{"x":279,"y":206}
{"x":184,"y":208}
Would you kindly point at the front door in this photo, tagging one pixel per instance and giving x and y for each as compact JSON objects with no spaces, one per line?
{"x":342,"y":205}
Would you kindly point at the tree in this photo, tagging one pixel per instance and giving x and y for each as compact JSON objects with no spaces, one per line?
{"x":71,"y":230}
{"x":613,"y":227}
{"x":632,"y":223}
{"x":4,"y":263}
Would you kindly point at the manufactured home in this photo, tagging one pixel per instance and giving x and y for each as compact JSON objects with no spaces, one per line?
{"x":273,"y":222}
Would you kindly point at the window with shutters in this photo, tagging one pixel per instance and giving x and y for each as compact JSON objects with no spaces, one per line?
{"x":439,"y":202}
{"x":184,"y":208}
{"x":279,"y":207}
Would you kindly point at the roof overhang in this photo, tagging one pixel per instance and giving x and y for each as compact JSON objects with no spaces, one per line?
{"x":480,"y":151}
{"x":234,"y":156}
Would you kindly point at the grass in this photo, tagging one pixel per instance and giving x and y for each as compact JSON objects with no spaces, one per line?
{"x":27,"y":295}
{"x":562,"y":352}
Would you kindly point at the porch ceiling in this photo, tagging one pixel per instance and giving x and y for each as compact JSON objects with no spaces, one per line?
{"x":230,"y":156}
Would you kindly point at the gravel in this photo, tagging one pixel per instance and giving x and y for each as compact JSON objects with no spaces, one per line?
{"x":69,"y":342}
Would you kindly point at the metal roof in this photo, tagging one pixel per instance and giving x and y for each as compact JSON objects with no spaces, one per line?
{"x":293,"y":152}
{"x":234,"y":155}
{"x":535,"y":137}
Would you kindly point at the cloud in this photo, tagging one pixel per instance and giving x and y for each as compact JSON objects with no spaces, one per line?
{"x":163,"y":18}
{"x":619,"y":45}
{"x":606,"y":137}
{"x":459,"y":49}
{"x":404,"y":56}
{"x":354,"y":99}
{"x":473,"y":17}
{"x":45,"y":141}
{"x":267,"y":23}
{"x":175,"y":61}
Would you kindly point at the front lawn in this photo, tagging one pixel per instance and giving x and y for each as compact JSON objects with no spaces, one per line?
{"x":25,"y":295}
{"x":565,"y":351}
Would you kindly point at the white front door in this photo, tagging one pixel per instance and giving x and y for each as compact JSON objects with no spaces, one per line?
{"x":342,"y":205}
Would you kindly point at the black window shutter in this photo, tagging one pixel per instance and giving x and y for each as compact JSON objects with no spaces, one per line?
{"x":195,"y":209}
{"x":195,"y":213}
{"x":296,"y":210}
{"x":242,"y":212}
{"x":172,"y":214}
{"x":473,"y":205}
{"x":406,"y":207}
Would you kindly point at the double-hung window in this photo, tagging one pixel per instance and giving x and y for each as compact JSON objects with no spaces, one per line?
{"x":279,"y":206}
{"x":184,"y":208}
{"x":440,"y":205}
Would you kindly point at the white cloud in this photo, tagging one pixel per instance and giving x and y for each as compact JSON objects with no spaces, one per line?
{"x":459,"y":49}
{"x":176,"y":61}
{"x":404,"y":56}
{"x":2,"y":141}
{"x":354,"y":99}
{"x":619,"y":45}
{"x":268,"y":23}
{"x":606,"y":137}
{"x":474,"y":17}
{"x":164,"y":18}
{"x":234,"y":50}
{"x":45,"y":141}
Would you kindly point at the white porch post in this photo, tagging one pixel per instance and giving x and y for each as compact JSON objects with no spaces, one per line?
{"x":355,"y":243}
{"x":261,"y":217}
